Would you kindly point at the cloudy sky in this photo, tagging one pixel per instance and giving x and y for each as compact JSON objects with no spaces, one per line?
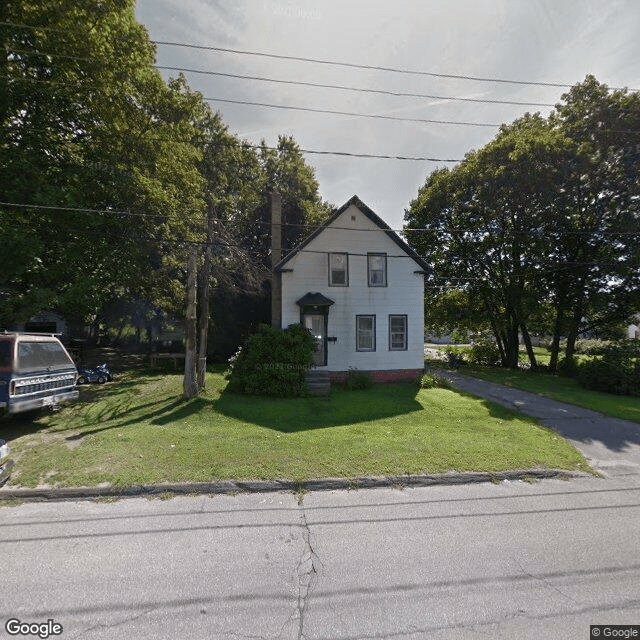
{"x":529,"y":41}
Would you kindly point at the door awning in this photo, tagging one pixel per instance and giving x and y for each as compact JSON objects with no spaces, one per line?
{"x":314,"y":300}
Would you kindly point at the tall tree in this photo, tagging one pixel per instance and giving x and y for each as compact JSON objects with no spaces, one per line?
{"x":544,"y":216}
{"x":95,"y":163}
{"x":483,"y":221}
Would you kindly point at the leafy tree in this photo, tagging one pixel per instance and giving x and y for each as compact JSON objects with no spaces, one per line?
{"x":239,"y":186}
{"x":88,"y":125}
{"x":598,"y":209}
{"x":540,"y":226}
{"x":482,"y":222}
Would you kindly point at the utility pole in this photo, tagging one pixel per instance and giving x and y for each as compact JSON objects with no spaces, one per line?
{"x":276,"y":256}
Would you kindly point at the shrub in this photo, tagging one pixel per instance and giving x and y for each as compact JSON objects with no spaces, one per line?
{"x":484,"y":353}
{"x":591,"y":347}
{"x":616,"y":371}
{"x":568,"y":367}
{"x":432,"y":381}
{"x":273,"y":362}
{"x":357,"y":380}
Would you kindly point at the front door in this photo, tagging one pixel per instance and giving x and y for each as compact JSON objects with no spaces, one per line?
{"x":315,"y":322}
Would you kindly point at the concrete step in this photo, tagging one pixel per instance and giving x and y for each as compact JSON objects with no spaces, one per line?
{"x":318,"y":382}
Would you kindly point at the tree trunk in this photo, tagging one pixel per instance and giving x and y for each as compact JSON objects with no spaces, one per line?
{"x":203,"y":318}
{"x":190,"y":386}
{"x":557,"y":330}
{"x":572,"y":334}
{"x":512,"y":346}
{"x":527,"y":341}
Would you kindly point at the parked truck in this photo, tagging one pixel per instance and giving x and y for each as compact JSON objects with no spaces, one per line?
{"x":36,"y":371}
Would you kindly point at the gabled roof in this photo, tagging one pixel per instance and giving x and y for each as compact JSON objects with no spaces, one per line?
{"x":354,"y":200}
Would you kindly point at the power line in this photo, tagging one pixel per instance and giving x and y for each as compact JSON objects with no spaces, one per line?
{"x":289,"y":224}
{"x":336,"y":63}
{"x":453,"y":282}
{"x":387,"y":92}
{"x":562,"y":85}
{"x":354,"y":114}
{"x":355,"y":89}
{"x":353,"y":65}
{"x":259,"y":146}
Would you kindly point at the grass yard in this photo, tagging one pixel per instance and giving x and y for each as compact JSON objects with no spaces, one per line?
{"x":136,"y":430}
{"x":563,"y":389}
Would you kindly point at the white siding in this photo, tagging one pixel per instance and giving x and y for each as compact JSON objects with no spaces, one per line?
{"x":403,"y":295}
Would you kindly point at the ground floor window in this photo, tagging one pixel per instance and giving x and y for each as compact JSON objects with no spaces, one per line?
{"x":365,"y":333}
{"x":398,"y":333}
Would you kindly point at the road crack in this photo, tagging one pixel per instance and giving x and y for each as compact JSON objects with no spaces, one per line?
{"x":307,"y":570}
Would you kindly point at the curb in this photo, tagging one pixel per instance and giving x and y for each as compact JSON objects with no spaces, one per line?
{"x":271,"y":486}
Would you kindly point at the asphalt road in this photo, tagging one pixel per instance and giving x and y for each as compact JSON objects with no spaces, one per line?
{"x":510,"y":560}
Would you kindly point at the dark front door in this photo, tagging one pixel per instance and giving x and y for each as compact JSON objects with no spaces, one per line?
{"x":316,"y":323}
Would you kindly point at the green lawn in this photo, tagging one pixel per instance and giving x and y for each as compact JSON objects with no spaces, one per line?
{"x":136,"y":430}
{"x":563,"y":389}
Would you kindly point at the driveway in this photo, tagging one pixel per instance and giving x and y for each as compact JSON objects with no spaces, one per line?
{"x":611,"y":445}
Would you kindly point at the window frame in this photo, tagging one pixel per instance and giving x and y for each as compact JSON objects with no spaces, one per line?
{"x":370,"y":270}
{"x":406,"y":332}
{"x":346,"y":269}
{"x":373,"y":332}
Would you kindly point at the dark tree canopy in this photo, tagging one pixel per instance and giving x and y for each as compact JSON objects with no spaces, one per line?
{"x":112,"y":175}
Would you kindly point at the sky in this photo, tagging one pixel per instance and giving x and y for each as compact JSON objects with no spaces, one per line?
{"x":533,"y":41}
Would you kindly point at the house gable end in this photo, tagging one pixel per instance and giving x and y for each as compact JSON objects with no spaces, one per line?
{"x":371,"y":216}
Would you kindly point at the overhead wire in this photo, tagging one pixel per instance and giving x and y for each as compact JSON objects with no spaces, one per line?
{"x":322,"y":61}
{"x":340,"y":87}
{"x":310,"y":226}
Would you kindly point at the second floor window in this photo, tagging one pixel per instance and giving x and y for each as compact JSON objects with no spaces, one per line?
{"x":377,"y":269}
{"x":338,"y":270}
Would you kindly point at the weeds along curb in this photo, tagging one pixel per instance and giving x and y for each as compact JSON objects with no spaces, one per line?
{"x":231,"y":487}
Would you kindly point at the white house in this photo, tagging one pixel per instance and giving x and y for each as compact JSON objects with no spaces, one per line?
{"x":359,"y":288}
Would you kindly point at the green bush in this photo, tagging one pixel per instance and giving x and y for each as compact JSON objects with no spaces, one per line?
{"x":568,"y":367}
{"x":484,"y":353}
{"x":616,"y":371}
{"x":357,"y":380}
{"x":432,"y":381}
{"x":273,"y":362}
{"x":591,"y":347}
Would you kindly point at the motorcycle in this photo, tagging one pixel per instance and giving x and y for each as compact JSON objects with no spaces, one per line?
{"x":100,"y":374}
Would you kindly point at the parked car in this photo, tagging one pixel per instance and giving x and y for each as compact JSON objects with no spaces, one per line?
{"x":36,"y":371}
{"x":5,"y":463}
{"x":100,"y":374}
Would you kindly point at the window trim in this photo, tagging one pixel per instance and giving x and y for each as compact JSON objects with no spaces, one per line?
{"x":346,"y":271}
{"x":366,"y":315}
{"x":369,"y":270}
{"x":406,"y":332}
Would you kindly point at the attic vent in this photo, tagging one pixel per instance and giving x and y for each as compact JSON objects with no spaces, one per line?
{"x":353,"y":218}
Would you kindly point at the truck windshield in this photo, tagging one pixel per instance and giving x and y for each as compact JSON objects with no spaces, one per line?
{"x":34,"y":356}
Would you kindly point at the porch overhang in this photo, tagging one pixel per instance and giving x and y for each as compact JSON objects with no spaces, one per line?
{"x":314,"y":301}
